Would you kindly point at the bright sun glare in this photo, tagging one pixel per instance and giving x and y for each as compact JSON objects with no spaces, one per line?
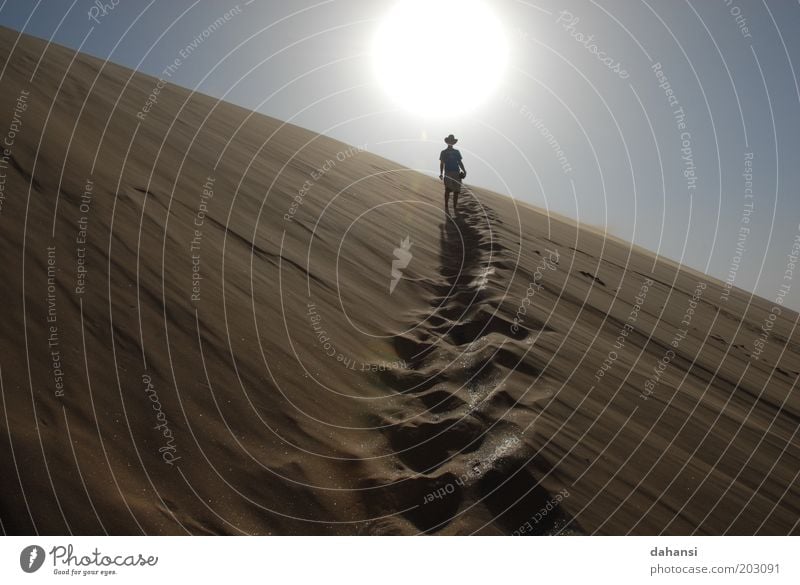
{"x":440,"y":57}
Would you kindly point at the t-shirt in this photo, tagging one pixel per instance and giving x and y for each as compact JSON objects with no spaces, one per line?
{"x":450,"y":157}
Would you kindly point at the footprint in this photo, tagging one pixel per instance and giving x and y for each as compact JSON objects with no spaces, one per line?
{"x":426,"y":446}
{"x":520,"y":504}
{"x":427,"y":503}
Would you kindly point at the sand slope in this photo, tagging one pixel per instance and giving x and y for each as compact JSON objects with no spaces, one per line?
{"x":287,"y":391}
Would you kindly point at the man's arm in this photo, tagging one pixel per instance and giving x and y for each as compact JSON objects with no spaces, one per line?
{"x":441,"y":167}
{"x":463,"y":170}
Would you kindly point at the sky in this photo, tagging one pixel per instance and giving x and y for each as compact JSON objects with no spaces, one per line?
{"x":674,"y":125}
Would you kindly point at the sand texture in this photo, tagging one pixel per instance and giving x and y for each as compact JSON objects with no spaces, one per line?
{"x":183,"y":351}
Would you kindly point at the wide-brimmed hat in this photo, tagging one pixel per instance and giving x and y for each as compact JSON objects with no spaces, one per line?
{"x":451,"y":139}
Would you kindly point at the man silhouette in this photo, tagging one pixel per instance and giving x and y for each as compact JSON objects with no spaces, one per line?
{"x":451,"y":171}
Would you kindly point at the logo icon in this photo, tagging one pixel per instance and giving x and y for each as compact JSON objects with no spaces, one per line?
{"x":31,"y":558}
{"x":402,"y":257}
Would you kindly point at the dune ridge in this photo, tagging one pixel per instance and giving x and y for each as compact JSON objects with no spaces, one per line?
{"x":205,"y":333}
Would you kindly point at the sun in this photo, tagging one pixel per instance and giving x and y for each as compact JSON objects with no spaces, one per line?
{"x":440,"y":57}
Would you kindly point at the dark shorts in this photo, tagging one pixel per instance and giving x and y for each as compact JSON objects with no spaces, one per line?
{"x":452,"y":182}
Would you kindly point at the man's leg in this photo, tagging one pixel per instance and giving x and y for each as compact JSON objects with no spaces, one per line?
{"x":446,"y":199}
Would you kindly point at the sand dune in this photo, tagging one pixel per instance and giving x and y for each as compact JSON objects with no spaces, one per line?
{"x":217,"y":322}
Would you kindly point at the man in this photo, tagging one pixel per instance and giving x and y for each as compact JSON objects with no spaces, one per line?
{"x":451,"y":171}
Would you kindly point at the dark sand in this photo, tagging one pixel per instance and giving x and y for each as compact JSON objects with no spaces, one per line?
{"x":477,"y":425}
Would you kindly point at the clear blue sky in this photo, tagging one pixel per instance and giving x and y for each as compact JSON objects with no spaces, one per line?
{"x":622,"y":163}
